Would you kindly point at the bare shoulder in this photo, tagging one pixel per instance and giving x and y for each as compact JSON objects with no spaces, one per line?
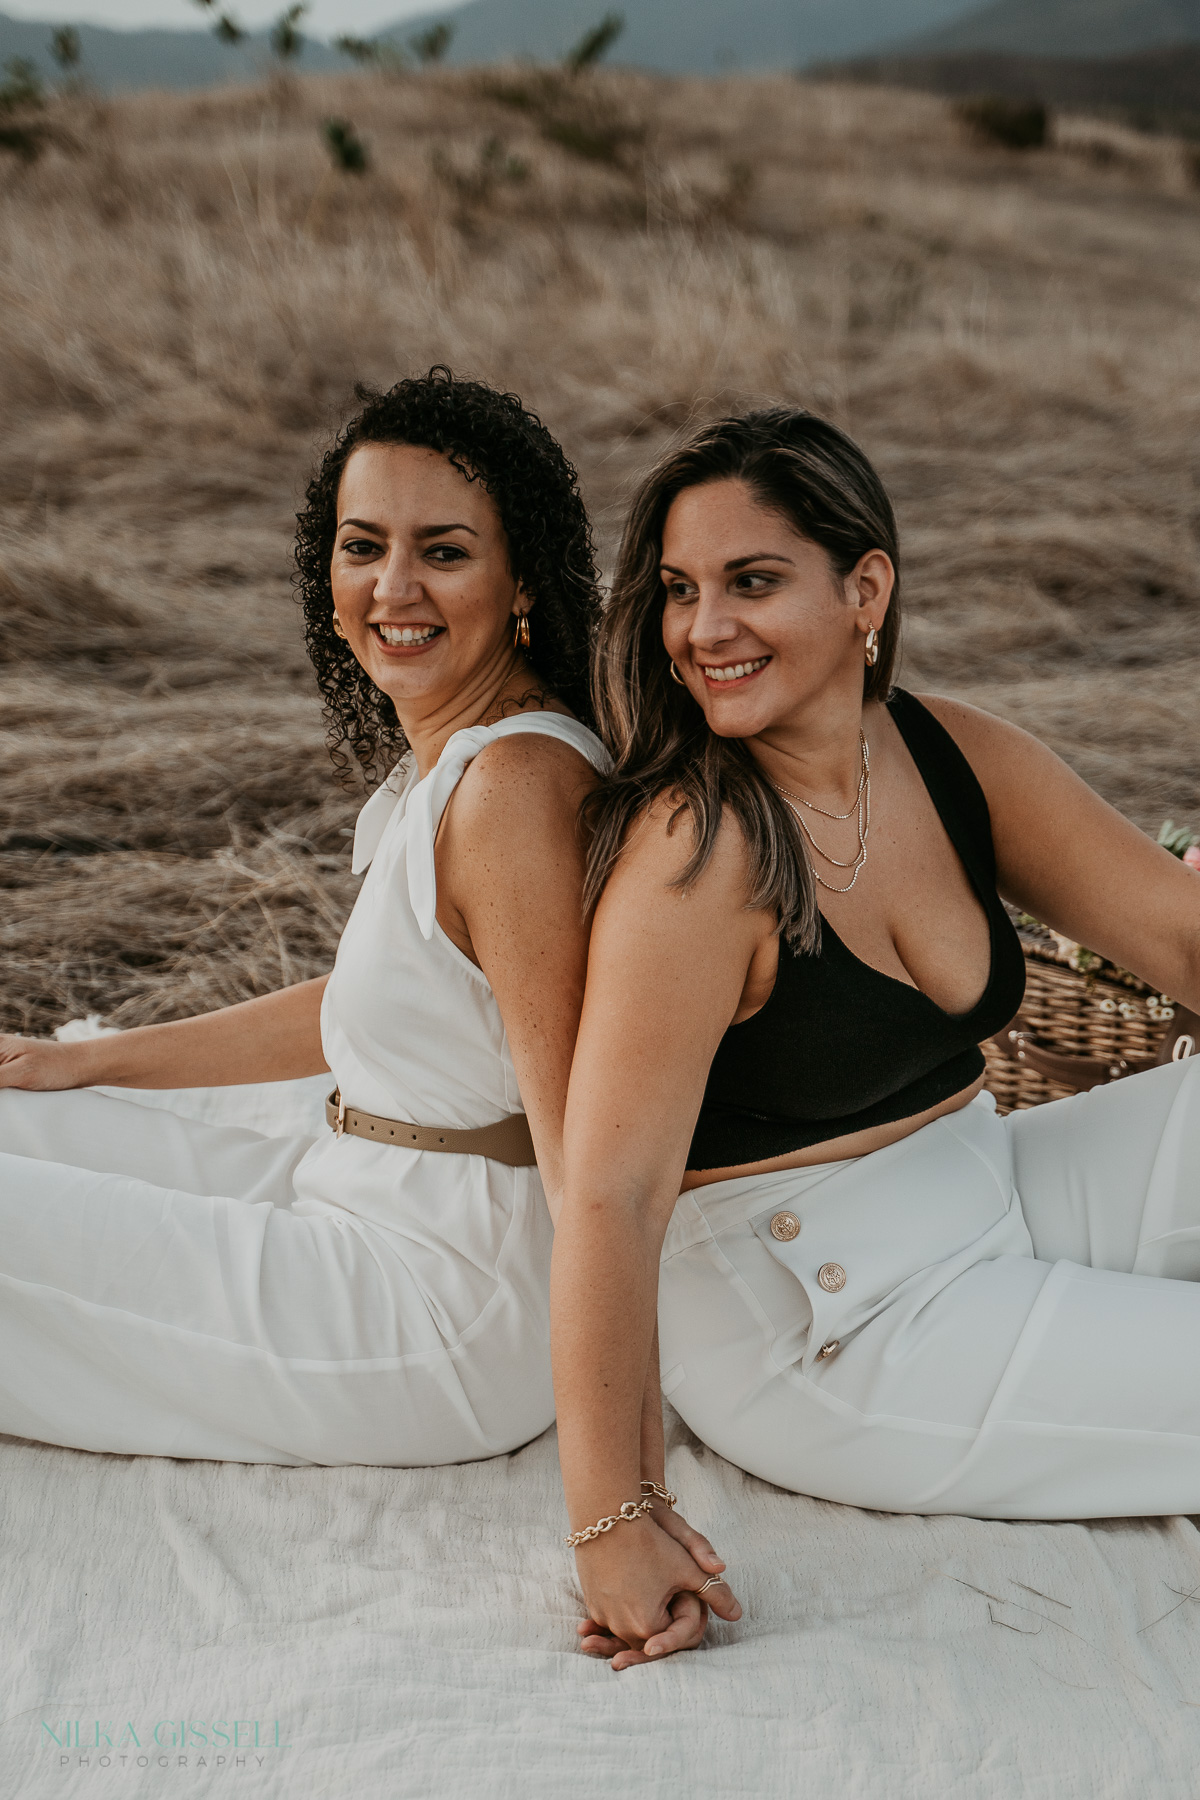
{"x":1000,"y":753}
{"x":1068,"y":857}
{"x":975,"y":730}
{"x":662,"y":841}
{"x":1033,"y":795}
{"x":518,"y":779}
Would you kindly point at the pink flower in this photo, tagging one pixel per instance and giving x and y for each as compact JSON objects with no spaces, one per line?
{"x":1192,"y":857}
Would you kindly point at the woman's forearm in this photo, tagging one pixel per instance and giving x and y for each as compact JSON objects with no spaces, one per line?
{"x":654,"y":1450}
{"x":603,"y":1309}
{"x":274,"y":1038}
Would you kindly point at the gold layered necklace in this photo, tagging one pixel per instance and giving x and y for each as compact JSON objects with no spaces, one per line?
{"x":861,"y":807}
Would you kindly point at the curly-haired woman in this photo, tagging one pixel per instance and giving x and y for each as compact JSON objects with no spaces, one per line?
{"x":378,"y":1295}
{"x":869,"y":1286}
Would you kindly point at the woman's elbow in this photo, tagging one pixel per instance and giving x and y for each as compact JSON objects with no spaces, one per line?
{"x":608,"y":1208}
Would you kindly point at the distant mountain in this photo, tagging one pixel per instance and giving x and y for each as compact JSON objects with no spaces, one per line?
{"x":1065,"y":28}
{"x":707,"y":36}
{"x":141,"y":59}
{"x":699,"y":36}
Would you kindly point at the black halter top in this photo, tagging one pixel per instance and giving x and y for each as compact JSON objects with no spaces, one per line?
{"x":840,"y":1046}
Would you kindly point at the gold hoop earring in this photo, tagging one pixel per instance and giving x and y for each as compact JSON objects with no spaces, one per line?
{"x":337,"y":626}
{"x":872,"y":647}
{"x":521,"y":634}
{"x":675,"y":675}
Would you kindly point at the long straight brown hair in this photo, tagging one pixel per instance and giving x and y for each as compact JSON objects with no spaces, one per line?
{"x":819,"y":480}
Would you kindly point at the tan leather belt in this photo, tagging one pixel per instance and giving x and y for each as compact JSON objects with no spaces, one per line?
{"x":507,"y":1141}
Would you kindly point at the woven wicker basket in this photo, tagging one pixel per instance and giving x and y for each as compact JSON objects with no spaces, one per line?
{"x":1080,"y":1026}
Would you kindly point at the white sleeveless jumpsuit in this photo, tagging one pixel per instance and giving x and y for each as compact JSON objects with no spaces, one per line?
{"x":172,"y":1288}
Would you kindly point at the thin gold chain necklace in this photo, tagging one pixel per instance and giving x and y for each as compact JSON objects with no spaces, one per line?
{"x":862,"y":782}
{"x":862,"y":808}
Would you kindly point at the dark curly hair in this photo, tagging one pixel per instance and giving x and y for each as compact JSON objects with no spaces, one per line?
{"x":490,"y":438}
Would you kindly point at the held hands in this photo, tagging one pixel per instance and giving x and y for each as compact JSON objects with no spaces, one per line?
{"x":35,"y":1064}
{"x":641,"y":1586}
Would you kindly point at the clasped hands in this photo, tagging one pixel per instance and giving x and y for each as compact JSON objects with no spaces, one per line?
{"x":641,"y":1583}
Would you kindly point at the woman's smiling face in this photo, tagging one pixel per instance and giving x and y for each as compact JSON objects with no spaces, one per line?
{"x":755,"y":618}
{"x":422,"y":584}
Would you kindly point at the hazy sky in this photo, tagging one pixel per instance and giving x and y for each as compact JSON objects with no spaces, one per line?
{"x":327,"y":19}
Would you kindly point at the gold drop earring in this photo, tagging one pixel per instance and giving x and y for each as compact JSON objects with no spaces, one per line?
{"x":872,"y":647}
{"x":337,"y":625}
{"x":521,"y":633}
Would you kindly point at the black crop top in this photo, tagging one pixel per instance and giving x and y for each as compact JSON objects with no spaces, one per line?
{"x":840,"y":1046}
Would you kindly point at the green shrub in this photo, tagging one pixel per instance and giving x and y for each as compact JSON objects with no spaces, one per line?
{"x":226,"y":28}
{"x":285,"y":37}
{"x":345,"y":146}
{"x":373,"y":53}
{"x":22,"y":87}
{"x":23,"y":131}
{"x":571,"y":110}
{"x":428,"y":46}
{"x":431,"y":46}
{"x":595,"y":43}
{"x":475,"y":185}
{"x":1017,"y":124}
{"x":66,"y":48}
{"x":596,"y":138}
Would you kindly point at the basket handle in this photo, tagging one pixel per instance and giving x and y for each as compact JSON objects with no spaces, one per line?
{"x":1018,"y":1043}
{"x":1181,"y":1039}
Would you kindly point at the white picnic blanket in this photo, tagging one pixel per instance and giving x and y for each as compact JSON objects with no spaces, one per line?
{"x":400,"y":1634}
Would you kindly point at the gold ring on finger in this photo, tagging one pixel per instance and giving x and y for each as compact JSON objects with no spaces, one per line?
{"x":713,"y":1581}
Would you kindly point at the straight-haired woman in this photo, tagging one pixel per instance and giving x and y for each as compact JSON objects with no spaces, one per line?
{"x":873,"y":1289}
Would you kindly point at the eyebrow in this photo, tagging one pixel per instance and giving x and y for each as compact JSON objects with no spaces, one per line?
{"x":739,"y":562}
{"x":425,"y":531}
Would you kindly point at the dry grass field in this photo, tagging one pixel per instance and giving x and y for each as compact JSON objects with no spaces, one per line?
{"x":188,"y":291}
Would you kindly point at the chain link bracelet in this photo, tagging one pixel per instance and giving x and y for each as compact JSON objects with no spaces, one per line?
{"x":630,"y":1509}
{"x":659,"y":1493}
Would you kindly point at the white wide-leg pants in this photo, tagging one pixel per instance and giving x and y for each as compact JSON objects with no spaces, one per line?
{"x":1015,"y":1305}
{"x":164,"y":1290}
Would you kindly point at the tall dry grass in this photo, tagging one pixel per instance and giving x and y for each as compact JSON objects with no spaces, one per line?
{"x":188,"y":292}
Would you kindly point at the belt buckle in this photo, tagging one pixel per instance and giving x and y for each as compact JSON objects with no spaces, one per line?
{"x":340,"y":1127}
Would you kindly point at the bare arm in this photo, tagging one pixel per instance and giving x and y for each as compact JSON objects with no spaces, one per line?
{"x":510,"y":863}
{"x":510,"y":887}
{"x":652,"y":1446}
{"x":666,"y":972}
{"x":1074,"y":862}
{"x":528,"y":933}
{"x":274,"y":1038}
